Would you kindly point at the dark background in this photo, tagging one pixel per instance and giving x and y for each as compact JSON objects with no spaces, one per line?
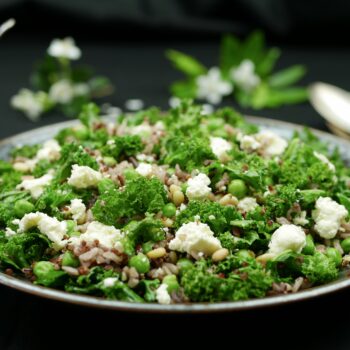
{"x":125,"y":40}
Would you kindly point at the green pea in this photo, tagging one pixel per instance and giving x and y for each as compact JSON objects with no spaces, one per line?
{"x":171,"y":282}
{"x":140,"y":262}
{"x":147,"y":246}
{"x":23,"y":207}
{"x":345,"y":244}
{"x":42,"y":268}
{"x":334,"y":255}
{"x":82,"y":133}
{"x":237,"y":188}
{"x":109,"y":161}
{"x":169,"y":210}
{"x":69,"y":259}
{"x":105,"y":185}
{"x":309,"y":248}
{"x":130,"y":174}
{"x":184,"y":187}
{"x":245,"y":254}
{"x":184,"y":264}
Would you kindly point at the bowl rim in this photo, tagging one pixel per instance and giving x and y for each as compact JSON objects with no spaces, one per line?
{"x":96,"y":302}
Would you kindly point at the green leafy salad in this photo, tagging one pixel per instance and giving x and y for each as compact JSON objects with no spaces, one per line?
{"x":175,"y":207}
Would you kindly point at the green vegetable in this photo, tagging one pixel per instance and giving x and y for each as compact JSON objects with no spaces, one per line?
{"x":22,"y":207}
{"x":237,"y":188}
{"x":334,"y":255}
{"x":140,"y":196}
{"x":47,"y":276}
{"x":140,"y":262}
{"x":69,"y":259}
{"x":309,"y":248}
{"x":169,"y":210}
{"x":184,"y":264}
{"x":172,"y":283}
{"x":22,"y":250}
{"x":345,"y":244}
{"x":122,"y":147}
{"x":147,"y":289}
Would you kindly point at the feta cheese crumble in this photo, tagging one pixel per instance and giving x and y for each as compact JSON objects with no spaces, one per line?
{"x":84,"y":177}
{"x":248,"y":143}
{"x":77,"y":209}
{"x":247,"y":204}
{"x":328,"y":216}
{"x":55,"y":230}
{"x":194,"y":238}
{"x":300,"y":219}
{"x":287,"y":237}
{"x":271,"y":143}
{"x":162,"y":294}
{"x":109,"y":282}
{"x":35,"y":186}
{"x":108,"y":236}
{"x":220,"y":147}
{"x":51,"y":150}
{"x":144,"y":169}
{"x":198,"y":187}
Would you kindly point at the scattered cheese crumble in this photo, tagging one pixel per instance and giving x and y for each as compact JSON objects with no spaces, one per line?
{"x":84,"y":177}
{"x":35,"y":186}
{"x":162,"y":294}
{"x":198,"y":187}
{"x":220,"y":147}
{"x":247,"y":204}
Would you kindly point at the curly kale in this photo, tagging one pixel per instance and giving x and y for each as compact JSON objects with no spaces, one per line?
{"x":73,"y":154}
{"x":187,"y":152}
{"x":319,"y":268}
{"x":148,"y":288}
{"x":26,"y":151}
{"x":137,"y":232}
{"x":22,"y":250}
{"x":92,"y":283}
{"x":237,"y":280}
{"x":7,"y":204}
{"x":302,"y":169}
{"x":217,"y":216}
{"x":140,"y":196}
{"x":123,"y":147}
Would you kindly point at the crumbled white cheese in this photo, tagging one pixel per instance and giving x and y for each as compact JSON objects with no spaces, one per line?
{"x":35,"y":186}
{"x":162,"y":294}
{"x":143,"y":130}
{"x":25,"y":165}
{"x":108,"y":236}
{"x":194,"y":238}
{"x":300,"y":219}
{"x":287,"y":237}
{"x":198,"y":187}
{"x":55,"y":230}
{"x":109,"y":282}
{"x":325,"y":160}
{"x":220,"y":147}
{"x":144,"y":169}
{"x":144,"y":158}
{"x":247,"y":204}
{"x":328,"y":216}
{"x":84,"y":177}
{"x":77,"y":209}
{"x":51,"y":150}
{"x":271,"y":143}
{"x":248,"y":143}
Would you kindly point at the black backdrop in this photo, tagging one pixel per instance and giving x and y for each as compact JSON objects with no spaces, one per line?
{"x":126,"y":40}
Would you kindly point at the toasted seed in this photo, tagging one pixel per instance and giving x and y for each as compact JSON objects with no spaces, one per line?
{"x":228,"y":199}
{"x":264,"y":258}
{"x":156,"y":253}
{"x":174,"y":188}
{"x":178,"y":197}
{"x":220,"y":254}
{"x":168,"y":222}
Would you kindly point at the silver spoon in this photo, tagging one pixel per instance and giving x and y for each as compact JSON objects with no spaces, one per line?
{"x":7,"y":26}
{"x":333,"y":104}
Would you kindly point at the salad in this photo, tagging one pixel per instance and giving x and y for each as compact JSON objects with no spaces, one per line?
{"x":175,"y":207}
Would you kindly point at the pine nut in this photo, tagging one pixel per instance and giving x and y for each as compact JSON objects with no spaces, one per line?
{"x":228,"y":199}
{"x":168,"y":222}
{"x":156,"y":253}
{"x":174,"y":188}
{"x":220,"y":254}
{"x":264,"y":258}
{"x":178,"y":197}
